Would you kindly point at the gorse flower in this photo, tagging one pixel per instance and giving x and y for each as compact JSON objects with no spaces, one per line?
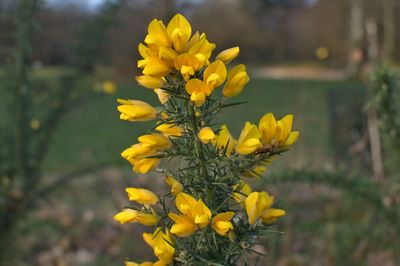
{"x":209,"y":215}
{"x":133,"y":110}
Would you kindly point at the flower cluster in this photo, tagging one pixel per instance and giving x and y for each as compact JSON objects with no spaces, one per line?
{"x":211,"y":215}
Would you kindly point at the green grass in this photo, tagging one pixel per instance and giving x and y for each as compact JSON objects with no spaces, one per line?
{"x":93,"y":132}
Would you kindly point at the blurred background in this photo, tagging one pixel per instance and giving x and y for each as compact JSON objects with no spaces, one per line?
{"x":333,"y":64}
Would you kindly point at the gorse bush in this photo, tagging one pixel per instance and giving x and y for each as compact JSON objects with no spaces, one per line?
{"x":211,"y":216}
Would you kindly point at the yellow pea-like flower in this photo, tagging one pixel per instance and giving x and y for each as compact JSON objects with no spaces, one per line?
{"x":137,"y":151}
{"x":142,"y":196}
{"x":162,"y":244}
{"x":133,"y":110}
{"x":228,"y":55}
{"x":143,"y":166}
{"x":170,"y":130}
{"x":162,"y":95}
{"x":206,"y":135}
{"x":243,"y":190}
{"x":221,"y":223}
{"x":256,"y":203}
{"x":155,"y":141}
{"x":150,"y":82}
{"x":130,"y":216}
{"x":184,"y":226}
{"x":215,"y":74}
{"x":176,"y":186}
{"x":188,"y":65}
{"x":224,"y":141}
{"x":198,"y":91}
{"x":126,"y":216}
{"x":152,"y":63}
{"x":269,"y":216}
{"x":277,"y":133}
{"x":249,"y":139}
{"x":194,"y":215}
{"x":109,"y":87}
{"x":179,"y":31}
{"x":237,"y":79}
{"x":201,"y":47}
{"x":157,"y":34}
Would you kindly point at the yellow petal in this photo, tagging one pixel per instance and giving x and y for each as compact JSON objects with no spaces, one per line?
{"x":179,"y":31}
{"x":271,"y":215}
{"x":133,"y":110}
{"x":155,"y":141}
{"x":143,"y":166}
{"x":157,"y":34}
{"x":176,"y":186}
{"x":162,"y":95}
{"x":206,"y":135}
{"x":215,"y":74}
{"x":184,"y":202}
{"x":225,"y":141}
{"x":170,"y":130}
{"x":141,"y":195}
{"x":228,"y":55}
{"x":293,"y":136}
{"x":147,"y":219}
{"x":267,"y":127}
{"x":127,"y":216}
{"x":237,"y":79}
{"x":198,"y":98}
{"x":251,"y":207}
{"x":150,"y":82}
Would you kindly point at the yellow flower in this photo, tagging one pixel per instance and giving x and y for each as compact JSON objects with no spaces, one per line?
{"x":271,"y":215}
{"x":221,"y":223}
{"x":237,"y":79}
{"x":157,"y":34}
{"x":276,"y":134}
{"x":131,"y":216}
{"x":179,"y":32}
{"x":35,"y":124}
{"x":184,"y":225}
{"x":225,"y":141}
{"x":170,"y":130}
{"x":109,"y":87}
{"x":176,"y":186}
{"x":243,"y":190}
{"x":155,"y":141}
{"x":150,"y":82}
{"x":143,"y":166}
{"x":188,"y":65}
{"x":201,"y":47}
{"x":162,"y":244}
{"x":142,"y":196}
{"x":215,"y":74}
{"x":228,"y":55}
{"x":258,"y":205}
{"x":137,"y":151}
{"x":195,"y":214}
{"x":152,"y":63}
{"x":137,"y":155}
{"x":249,"y":139}
{"x":133,"y":110}
{"x":198,"y":90}
{"x":162,"y":95}
{"x":206,"y":135}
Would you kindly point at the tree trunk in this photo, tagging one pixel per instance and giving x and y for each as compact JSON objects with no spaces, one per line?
{"x":356,"y":33}
{"x":389,"y":34}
